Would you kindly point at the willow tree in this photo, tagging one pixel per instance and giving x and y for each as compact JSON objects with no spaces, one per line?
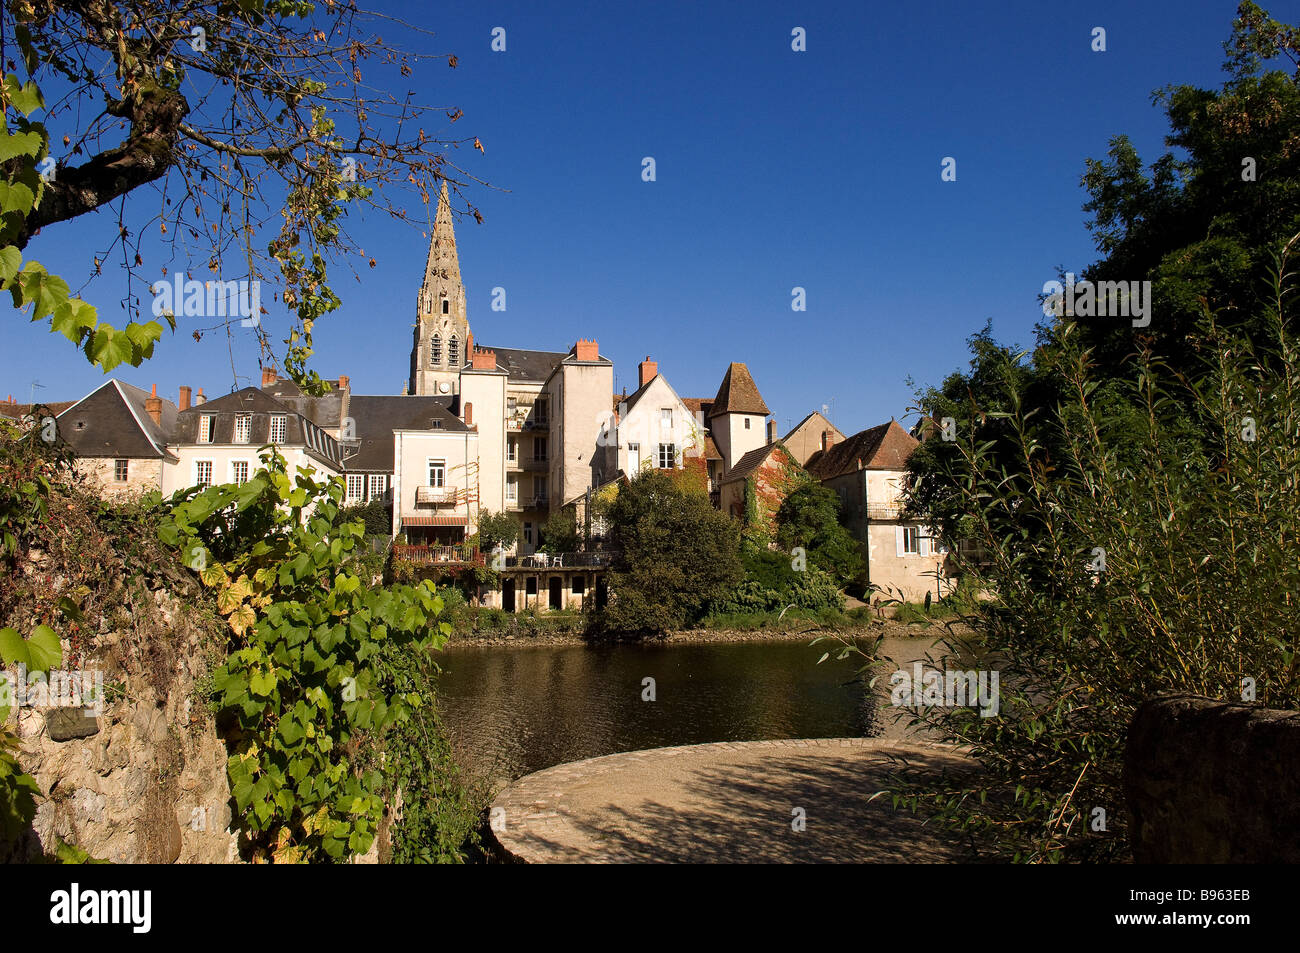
{"x":233,"y":136}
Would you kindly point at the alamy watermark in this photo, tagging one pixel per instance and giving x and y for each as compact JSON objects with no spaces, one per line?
{"x":1102,"y":299}
{"x":931,"y":688}
{"x":190,"y":298}
{"x":59,"y":688}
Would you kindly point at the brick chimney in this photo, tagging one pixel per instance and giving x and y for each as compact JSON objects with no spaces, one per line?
{"x":345,"y":382}
{"x":183,"y":403}
{"x":586,"y":350}
{"x":771,"y":432}
{"x":648,"y":369}
{"x":153,"y":406}
{"x":828,"y":439}
{"x":483,"y":359}
{"x":268,"y":377}
{"x":469,"y":414}
{"x":199,"y":398}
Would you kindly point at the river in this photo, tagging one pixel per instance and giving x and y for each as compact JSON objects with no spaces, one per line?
{"x":514,"y":710}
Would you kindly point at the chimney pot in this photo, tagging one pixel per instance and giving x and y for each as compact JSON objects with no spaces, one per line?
{"x":184,"y":401}
{"x":268,"y":377}
{"x":199,"y":398}
{"x":586,"y":350}
{"x":771,"y":432}
{"x":828,"y":439}
{"x":153,"y":406}
{"x":648,"y":370}
{"x":345,"y":383}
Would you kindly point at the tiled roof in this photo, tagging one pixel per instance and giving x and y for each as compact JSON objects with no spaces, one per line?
{"x":299,"y":430}
{"x":738,"y":394}
{"x":525,"y":365}
{"x":16,"y":411}
{"x":111,"y":421}
{"x":749,"y":463}
{"x":884,"y":447}
{"x":377,"y":417}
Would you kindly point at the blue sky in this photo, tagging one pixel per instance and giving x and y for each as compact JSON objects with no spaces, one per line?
{"x":775,"y":169}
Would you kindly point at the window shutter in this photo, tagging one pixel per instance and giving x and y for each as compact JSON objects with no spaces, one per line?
{"x":922,"y":541}
{"x":898,"y":539}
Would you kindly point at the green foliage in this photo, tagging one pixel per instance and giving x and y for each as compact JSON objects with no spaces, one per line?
{"x":22,"y":147}
{"x":302,"y":682}
{"x":18,"y":790}
{"x":810,"y":517}
{"x":496,"y":529}
{"x":375,"y":515}
{"x":440,"y":812}
{"x":676,"y":554}
{"x":771,"y":584}
{"x":560,"y":531}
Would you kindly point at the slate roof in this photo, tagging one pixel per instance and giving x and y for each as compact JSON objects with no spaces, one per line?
{"x":111,"y":421}
{"x":377,"y":417}
{"x":884,"y":447}
{"x":299,"y":430}
{"x":738,"y":394}
{"x":326,"y":411}
{"x":747,"y":465}
{"x":16,"y":411}
{"x":525,"y":365}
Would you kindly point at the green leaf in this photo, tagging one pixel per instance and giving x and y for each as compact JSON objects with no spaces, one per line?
{"x":109,"y":347}
{"x":20,"y":144}
{"x":16,"y":197}
{"x":73,"y":318}
{"x":26,"y":98}
{"x":40,"y":653}
{"x":11,"y":259}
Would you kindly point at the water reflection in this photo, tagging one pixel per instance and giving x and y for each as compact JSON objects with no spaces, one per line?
{"x":511,"y":711}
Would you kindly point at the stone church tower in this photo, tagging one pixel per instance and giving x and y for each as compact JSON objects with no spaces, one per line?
{"x":442,"y":338}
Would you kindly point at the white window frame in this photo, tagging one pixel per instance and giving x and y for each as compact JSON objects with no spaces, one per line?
{"x":436,"y":467}
{"x":904,"y":532}
{"x":246,"y":420}
{"x":666,"y":418}
{"x":205,"y":428}
{"x":378,"y":485}
{"x":353,"y":496}
{"x":198,"y":465}
{"x":126,"y":471}
{"x":234,"y":476}
{"x":512,"y":449}
{"x":512,"y":489}
{"x":279,"y":422}
{"x":667,"y":451}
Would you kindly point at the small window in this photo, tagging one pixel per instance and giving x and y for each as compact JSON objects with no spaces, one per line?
{"x":243,"y":427}
{"x":203,"y":473}
{"x":579,"y":585}
{"x":539,"y":449}
{"x":356,"y":486}
{"x":446,"y":306}
{"x":205,"y":429}
{"x":239,"y":471}
{"x":378,"y":484}
{"x":530,"y":584}
{"x":666,"y":418}
{"x":512,"y":404}
{"x":279,"y":428}
{"x":435,"y":350}
{"x":667,"y":456}
{"x":453,"y":352}
{"x":512,"y":489}
{"x":437,"y":473}
{"x":437,"y":424}
{"x":911,"y":540}
{"x":512,"y":449}
{"x":528,"y":538}
{"x":746,"y":423}
{"x":121,"y":470}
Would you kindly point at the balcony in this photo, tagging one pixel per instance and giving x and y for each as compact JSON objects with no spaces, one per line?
{"x":537,"y":503}
{"x":537,"y":463}
{"x":434,"y":495}
{"x":430,"y":555}
{"x":884,"y":511}
{"x":589,"y":560}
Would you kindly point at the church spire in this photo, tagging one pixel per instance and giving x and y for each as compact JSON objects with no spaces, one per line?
{"x":442,"y":270}
{"x":439,"y":350}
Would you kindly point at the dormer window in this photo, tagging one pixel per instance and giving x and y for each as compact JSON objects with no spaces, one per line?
{"x":435,"y":350}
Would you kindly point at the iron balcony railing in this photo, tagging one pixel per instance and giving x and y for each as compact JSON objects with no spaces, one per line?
{"x":428,"y":555}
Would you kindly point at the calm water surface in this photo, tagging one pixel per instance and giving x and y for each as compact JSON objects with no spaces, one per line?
{"x":511,"y":711}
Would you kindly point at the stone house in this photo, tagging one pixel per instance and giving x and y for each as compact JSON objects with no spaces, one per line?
{"x":867,"y":470}
{"x":119,"y":435}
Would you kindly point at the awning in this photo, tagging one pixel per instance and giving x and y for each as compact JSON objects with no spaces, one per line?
{"x":435,"y":521}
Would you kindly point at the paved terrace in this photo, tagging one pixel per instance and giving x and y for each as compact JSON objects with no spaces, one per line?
{"x":729,"y":802}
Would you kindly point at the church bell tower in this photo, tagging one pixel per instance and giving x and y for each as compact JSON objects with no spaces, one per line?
{"x":442,"y":339}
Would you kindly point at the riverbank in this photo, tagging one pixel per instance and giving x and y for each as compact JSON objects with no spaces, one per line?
{"x":801,"y":631}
